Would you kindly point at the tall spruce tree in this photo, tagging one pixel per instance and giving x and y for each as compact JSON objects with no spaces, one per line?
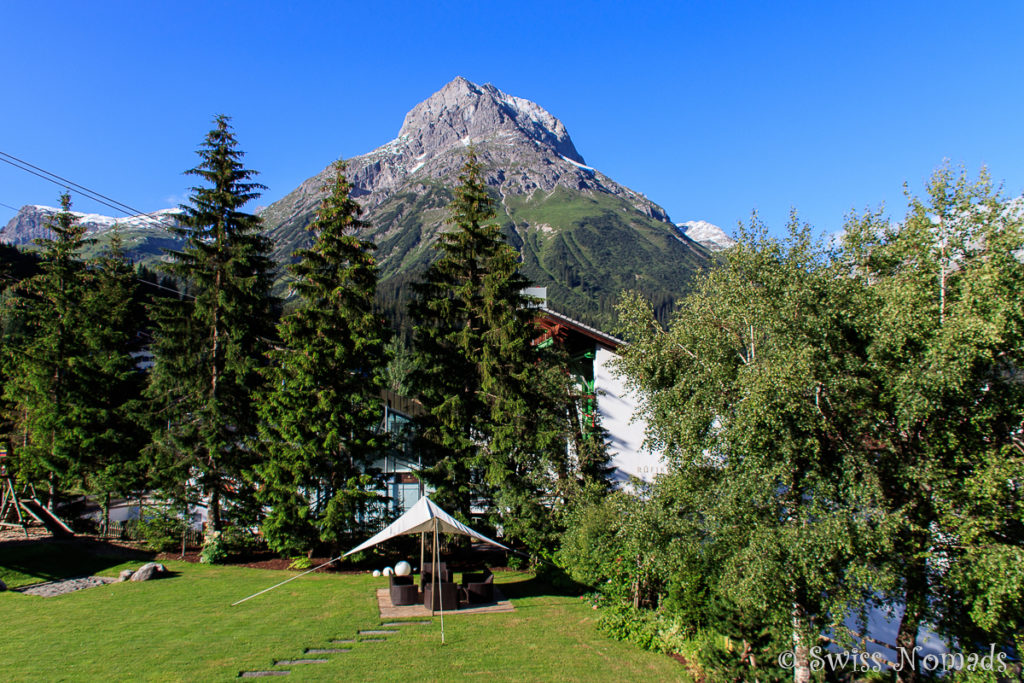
{"x":488,"y":433}
{"x":116,"y":314}
{"x":73,"y":388}
{"x":321,"y":412}
{"x":208,"y":349}
{"x":48,"y":389}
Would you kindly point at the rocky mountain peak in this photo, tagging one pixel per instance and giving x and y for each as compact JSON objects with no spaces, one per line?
{"x":563,"y":215}
{"x":462,"y":112}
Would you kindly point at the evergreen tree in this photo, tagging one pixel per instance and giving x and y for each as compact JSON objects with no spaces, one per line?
{"x":321,"y":413}
{"x":490,"y":431}
{"x":73,"y":389}
{"x":47,"y":388}
{"x":116,"y":317}
{"x":208,"y":349}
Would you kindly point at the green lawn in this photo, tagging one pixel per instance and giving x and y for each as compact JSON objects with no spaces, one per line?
{"x":182,"y":628}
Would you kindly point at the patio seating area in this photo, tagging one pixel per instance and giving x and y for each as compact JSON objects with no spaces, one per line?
{"x":475,"y":594}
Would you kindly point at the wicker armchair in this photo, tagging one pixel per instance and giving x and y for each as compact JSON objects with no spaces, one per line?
{"x":446,"y":595}
{"x":478,"y":588}
{"x":403,"y":590}
{"x":427,"y":574}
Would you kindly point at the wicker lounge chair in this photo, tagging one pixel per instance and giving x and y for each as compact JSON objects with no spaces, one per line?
{"x":478,"y":588}
{"x":447,"y":596}
{"x":403,"y":590}
{"x":427,"y":574}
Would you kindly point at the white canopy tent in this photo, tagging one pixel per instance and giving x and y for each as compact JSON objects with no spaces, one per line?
{"x":422,"y":518}
{"x":425,"y":516}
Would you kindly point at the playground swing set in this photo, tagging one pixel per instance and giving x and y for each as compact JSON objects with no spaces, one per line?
{"x":12,"y":506}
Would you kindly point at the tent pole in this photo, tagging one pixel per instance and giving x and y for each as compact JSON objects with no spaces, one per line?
{"x":437,"y":564}
{"x":423,"y":541}
{"x":433,"y":576}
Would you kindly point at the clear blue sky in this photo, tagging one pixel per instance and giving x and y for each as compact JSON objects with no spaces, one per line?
{"x":712,"y":109}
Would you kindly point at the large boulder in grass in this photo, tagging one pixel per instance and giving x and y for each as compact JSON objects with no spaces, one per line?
{"x":153,"y":570}
{"x":125,"y":575}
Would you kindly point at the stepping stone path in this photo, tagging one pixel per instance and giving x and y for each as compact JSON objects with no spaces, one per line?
{"x":333,"y":650}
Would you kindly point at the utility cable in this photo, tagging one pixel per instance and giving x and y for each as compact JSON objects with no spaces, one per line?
{"x":124,"y":207}
{"x":61,"y":181}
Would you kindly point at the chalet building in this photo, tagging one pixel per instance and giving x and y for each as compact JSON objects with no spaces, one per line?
{"x":607,"y":403}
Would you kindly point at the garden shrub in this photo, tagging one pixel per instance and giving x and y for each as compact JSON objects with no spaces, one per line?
{"x":240,"y":540}
{"x":300,"y":562}
{"x":214,"y":550}
{"x":162,"y":532}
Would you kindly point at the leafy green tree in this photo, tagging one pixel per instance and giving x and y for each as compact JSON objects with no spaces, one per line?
{"x":944,"y":407}
{"x":208,"y":349}
{"x":491,"y":430}
{"x":843,"y":426}
{"x":399,"y":368}
{"x":740,"y":393}
{"x":321,"y":413}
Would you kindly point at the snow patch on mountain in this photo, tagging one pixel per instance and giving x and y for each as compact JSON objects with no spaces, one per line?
{"x":706,"y":234}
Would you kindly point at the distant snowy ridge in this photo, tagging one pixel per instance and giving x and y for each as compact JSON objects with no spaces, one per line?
{"x":97,"y":222}
{"x":32,"y":220}
{"x":706,"y":234}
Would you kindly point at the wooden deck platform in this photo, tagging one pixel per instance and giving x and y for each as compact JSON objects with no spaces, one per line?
{"x":389,"y":611}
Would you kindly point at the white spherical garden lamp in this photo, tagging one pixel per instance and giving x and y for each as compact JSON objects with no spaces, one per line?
{"x":403,"y":568}
{"x":388,"y":571}
{"x":376,"y":572}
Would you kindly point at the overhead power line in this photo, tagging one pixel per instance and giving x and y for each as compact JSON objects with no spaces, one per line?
{"x":61,"y":181}
{"x":103,"y":199}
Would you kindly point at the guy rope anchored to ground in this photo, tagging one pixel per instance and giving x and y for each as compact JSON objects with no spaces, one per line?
{"x":266,"y":590}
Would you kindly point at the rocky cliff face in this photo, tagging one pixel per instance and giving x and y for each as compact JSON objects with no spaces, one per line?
{"x":524,"y":148}
{"x":581,"y":234}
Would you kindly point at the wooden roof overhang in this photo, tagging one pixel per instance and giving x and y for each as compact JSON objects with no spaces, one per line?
{"x":562,"y":329}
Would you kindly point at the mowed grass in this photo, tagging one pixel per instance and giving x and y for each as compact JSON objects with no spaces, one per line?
{"x":183,"y":628}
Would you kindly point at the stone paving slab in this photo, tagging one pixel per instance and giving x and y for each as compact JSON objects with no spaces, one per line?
{"x":326,"y":650}
{"x":407,"y":623}
{"x":262,"y":674}
{"x":290,"y":662}
{"x":377,"y":632}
